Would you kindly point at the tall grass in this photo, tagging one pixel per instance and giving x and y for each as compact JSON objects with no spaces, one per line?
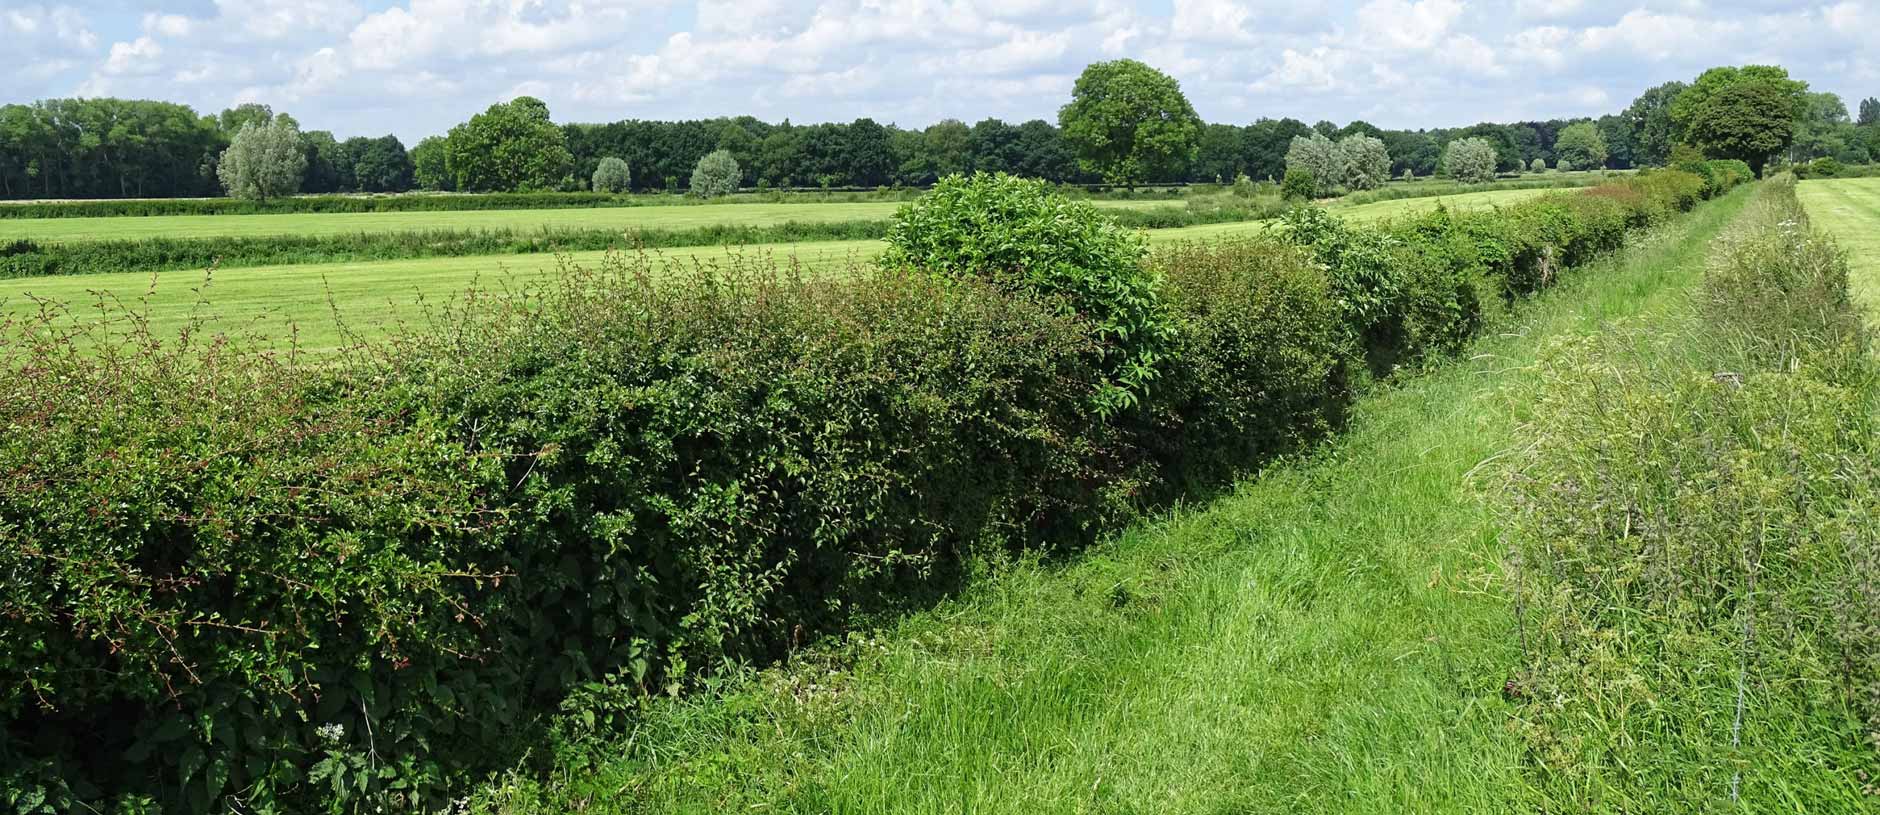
{"x":1696,"y":566}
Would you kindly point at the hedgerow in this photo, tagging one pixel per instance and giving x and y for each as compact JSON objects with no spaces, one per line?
{"x":1696,"y":569}
{"x":26,"y":258}
{"x":29,"y":258}
{"x":254,"y":582}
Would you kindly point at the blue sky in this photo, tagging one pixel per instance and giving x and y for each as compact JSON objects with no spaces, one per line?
{"x":415,"y":67}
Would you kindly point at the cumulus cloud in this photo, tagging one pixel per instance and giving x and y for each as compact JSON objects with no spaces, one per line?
{"x":138,"y":56}
{"x":418,"y":66}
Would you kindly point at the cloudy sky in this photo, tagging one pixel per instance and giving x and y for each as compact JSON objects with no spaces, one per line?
{"x":415,"y":67}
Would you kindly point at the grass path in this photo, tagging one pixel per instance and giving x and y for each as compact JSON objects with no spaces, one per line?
{"x":1849,"y":209}
{"x":276,"y":300}
{"x":1329,"y":638}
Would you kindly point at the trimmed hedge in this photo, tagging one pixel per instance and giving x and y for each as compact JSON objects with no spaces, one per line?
{"x":236,"y":579}
{"x":26,"y":258}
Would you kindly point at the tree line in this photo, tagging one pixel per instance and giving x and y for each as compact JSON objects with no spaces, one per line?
{"x":117,"y":148}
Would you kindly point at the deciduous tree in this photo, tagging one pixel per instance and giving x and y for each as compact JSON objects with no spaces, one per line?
{"x":511,"y":146}
{"x":1649,"y":119}
{"x":1471,"y":160}
{"x":1130,"y":123}
{"x":1364,"y":162}
{"x":264,"y":160}
{"x":1582,"y":145}
{"x":716,"y":175}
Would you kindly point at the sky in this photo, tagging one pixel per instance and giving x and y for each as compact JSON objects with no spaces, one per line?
{"x":416,"y":67}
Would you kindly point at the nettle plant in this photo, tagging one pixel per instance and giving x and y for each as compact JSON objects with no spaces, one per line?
{"x":1025,"y":237}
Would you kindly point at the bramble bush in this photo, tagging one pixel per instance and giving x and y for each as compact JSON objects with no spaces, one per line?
{"x":255,"y":582}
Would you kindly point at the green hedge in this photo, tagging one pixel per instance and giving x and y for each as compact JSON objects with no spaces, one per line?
{"x":239,"y":579}
{"x":26,"y":258}
{"x":323,"y":203}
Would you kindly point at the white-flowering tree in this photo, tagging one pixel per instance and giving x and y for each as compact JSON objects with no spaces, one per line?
{"x":1470,"y":160}
{"x":612,"y":175}
{"x":1365,"y":161}
{"x":264,"y":160}
{"x":1319,"y":156}
{"x":716,"y":174}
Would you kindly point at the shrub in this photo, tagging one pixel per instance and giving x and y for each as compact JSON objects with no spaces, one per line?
{"x":1021,"y":235}
{"x":1364,"y":161}
{"x":1540,"y":166}
{"x":1470,"y":161}
{"x":1300,"y":184}
{"x":1261,"y":363}
{"x":1319,"y":156}
{"x":1399,"y":302}
{"x":717,"y":174}
{"x":612,"y":176}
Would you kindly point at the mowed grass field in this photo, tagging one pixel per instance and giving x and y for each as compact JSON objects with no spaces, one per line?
{"x":1849,"y":208}
{"x":690,"y":216}
{"x":303,"y":301}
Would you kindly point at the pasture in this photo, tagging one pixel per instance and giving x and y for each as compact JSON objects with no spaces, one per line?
{"x":1849,"y":209}
{"x":303,"y":300}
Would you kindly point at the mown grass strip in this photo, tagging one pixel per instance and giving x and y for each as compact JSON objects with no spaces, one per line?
{"x":1332,"y":637}
{"x":1850,"y":210}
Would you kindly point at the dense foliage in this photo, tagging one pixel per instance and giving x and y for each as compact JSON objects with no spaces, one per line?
{"x":1016,"y":233}
{"x":263,"y":161}
{"x":715,"y":176}
{"x":612,"y":176}
{"x":1470,"y":161}
{"x":244,"y":580}
{"x":512,"y":146}
{"x":1128,"y":123}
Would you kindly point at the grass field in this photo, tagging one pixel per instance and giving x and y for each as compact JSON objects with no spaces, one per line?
{"x":279,"y":300}
{"x":677,"y":217}
{"x":623,"y":218}
{"x":1849,"y":208}
{"x":1332,"y":637}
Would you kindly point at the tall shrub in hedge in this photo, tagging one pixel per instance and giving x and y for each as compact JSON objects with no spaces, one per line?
{"x":1026,"y":237}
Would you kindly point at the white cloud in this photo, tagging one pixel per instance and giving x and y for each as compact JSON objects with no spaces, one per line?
{"x":1661,"y":36}
{"x":1315,"y":70}
{"x":279,"y":19}
{"x":136,"y":57}
{"x":1408,"y":26}
{"x":1221,"y":21}
{"x":168,"y":25}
